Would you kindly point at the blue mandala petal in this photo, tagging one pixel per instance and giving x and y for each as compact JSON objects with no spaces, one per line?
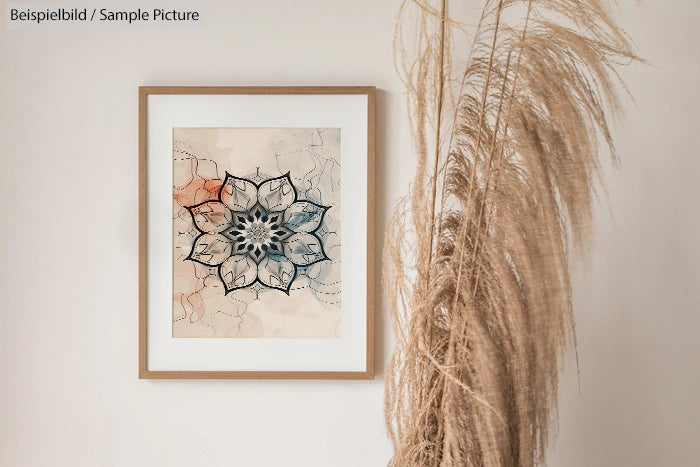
{"x":304,"y":249}
{"x":304,"y":216}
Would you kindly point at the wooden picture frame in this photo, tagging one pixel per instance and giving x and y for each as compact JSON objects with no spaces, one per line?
{"x":168,"y":108}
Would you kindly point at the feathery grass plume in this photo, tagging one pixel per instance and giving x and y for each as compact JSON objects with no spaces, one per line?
{"x":476,"y":257}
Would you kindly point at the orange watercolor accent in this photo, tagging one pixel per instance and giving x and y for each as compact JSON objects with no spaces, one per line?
{"x":195,"y":299}
{"x":198,"y":191}
{"x":213,"y":186}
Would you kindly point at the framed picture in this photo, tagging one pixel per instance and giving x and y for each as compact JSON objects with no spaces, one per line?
{"x":256,"y":232}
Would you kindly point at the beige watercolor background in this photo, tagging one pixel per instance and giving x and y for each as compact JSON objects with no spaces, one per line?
{"x":201,"y":158}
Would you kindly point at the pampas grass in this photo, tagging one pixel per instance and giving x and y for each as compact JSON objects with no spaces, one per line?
{"x":476,"y":256}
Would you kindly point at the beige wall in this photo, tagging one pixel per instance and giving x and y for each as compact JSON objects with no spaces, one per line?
{"x":638,"y":299}
{"x":68,"y":335}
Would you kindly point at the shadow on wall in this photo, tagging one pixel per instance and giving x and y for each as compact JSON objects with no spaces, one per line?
{"x":382,"y":340}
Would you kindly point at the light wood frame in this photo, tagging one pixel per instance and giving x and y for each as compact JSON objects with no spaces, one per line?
{"x":144,"y":372}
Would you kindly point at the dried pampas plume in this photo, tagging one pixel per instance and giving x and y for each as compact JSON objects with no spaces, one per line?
{"x":476,"y":257}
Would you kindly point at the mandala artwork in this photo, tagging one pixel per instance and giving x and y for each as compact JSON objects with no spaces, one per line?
{"x":256,"y":232}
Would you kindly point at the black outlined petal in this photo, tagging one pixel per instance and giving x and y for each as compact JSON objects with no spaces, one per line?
{"x":210,"y":249}
{"x":304,"y":216}
{"x":304,"y":249}
{"x":276,"y":194}
{"x":211,"y":216}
